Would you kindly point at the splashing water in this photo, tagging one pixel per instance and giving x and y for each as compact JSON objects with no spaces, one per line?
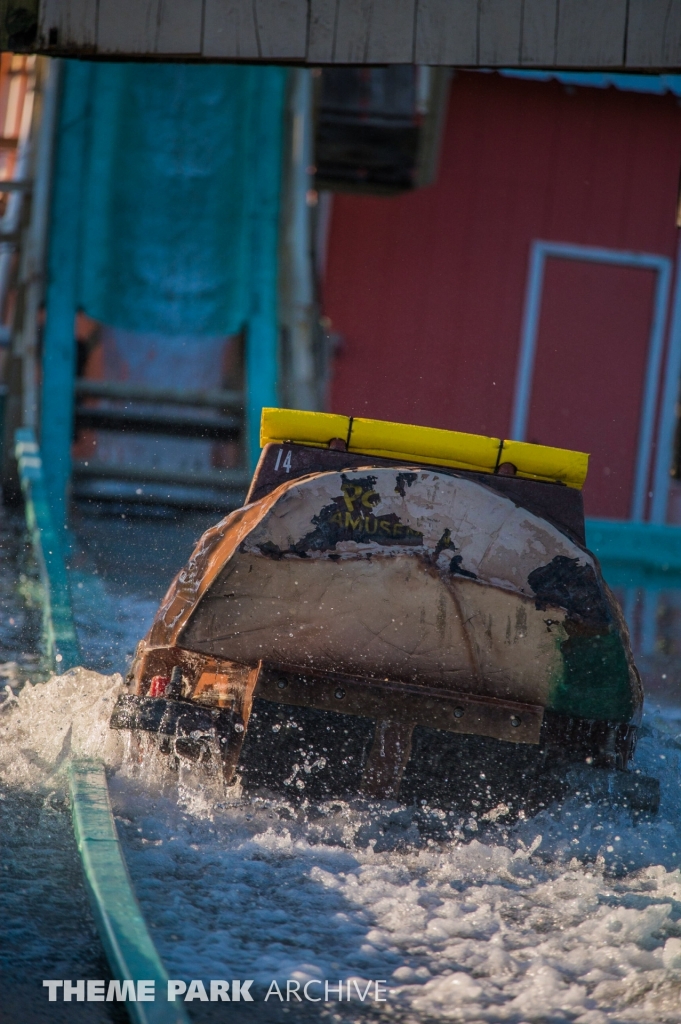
{"x":572,"y":915}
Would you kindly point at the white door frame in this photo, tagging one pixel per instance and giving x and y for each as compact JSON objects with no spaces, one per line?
{"x":540,"y":251}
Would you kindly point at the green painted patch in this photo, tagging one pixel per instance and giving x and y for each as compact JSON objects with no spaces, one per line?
{"x":595,"y":682}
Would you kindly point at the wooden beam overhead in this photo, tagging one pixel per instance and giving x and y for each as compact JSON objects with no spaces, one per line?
{"x":654,"y":34}
{"x":591,"y":33}
{"x":643,"y":35}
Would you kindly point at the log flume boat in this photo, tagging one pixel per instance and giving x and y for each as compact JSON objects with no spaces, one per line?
{"x":401,"y":613}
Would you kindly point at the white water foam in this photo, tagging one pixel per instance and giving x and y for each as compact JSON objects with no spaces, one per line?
{"x":42,"y":726}
{"x":573,"y":915}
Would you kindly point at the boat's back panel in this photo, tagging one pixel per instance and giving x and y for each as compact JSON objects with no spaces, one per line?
{"x":369,"y":625}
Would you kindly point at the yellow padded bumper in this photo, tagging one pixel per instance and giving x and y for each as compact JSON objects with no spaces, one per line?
{"x":450,"y":448}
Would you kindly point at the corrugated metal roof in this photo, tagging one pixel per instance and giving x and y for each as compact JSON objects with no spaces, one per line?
{"x":657,"y":85}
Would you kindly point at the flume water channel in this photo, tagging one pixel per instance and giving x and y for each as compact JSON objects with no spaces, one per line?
{"x":573,"y":915}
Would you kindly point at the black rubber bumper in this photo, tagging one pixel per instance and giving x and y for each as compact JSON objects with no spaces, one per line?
{"x":190,"y":725}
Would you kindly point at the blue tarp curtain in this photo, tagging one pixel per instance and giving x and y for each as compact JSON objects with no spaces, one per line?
{"x":175,"y":165}
{"x":165,"y":207}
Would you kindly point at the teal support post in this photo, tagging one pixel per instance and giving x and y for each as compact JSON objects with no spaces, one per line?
{"x":262,"y":328}
{"x":59,"y":631}
{"x":59,"y":347}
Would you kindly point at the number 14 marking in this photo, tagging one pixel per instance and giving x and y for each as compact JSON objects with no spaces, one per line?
{"x":286,"y":464}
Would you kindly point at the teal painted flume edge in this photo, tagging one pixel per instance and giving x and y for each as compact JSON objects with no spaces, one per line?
{"x":61,"y":640}
{"x":636,"y":554}
{"x":122,"y":929}
{"x":120,"y":922}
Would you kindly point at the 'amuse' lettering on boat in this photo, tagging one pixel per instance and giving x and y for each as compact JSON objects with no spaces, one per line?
{"x":400,"y":613}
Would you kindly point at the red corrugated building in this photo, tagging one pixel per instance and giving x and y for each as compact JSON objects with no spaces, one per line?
{"x":530,"y":291}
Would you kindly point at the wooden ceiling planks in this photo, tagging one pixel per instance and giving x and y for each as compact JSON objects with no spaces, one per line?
{"x":654,"y":33}
{"x":500,"y":25}
{"x":230,"y":30}
{"x":538,"y":36}
{"x":74,"y":22}
{"x":591,"y":34}
{"x":447,"y":32}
